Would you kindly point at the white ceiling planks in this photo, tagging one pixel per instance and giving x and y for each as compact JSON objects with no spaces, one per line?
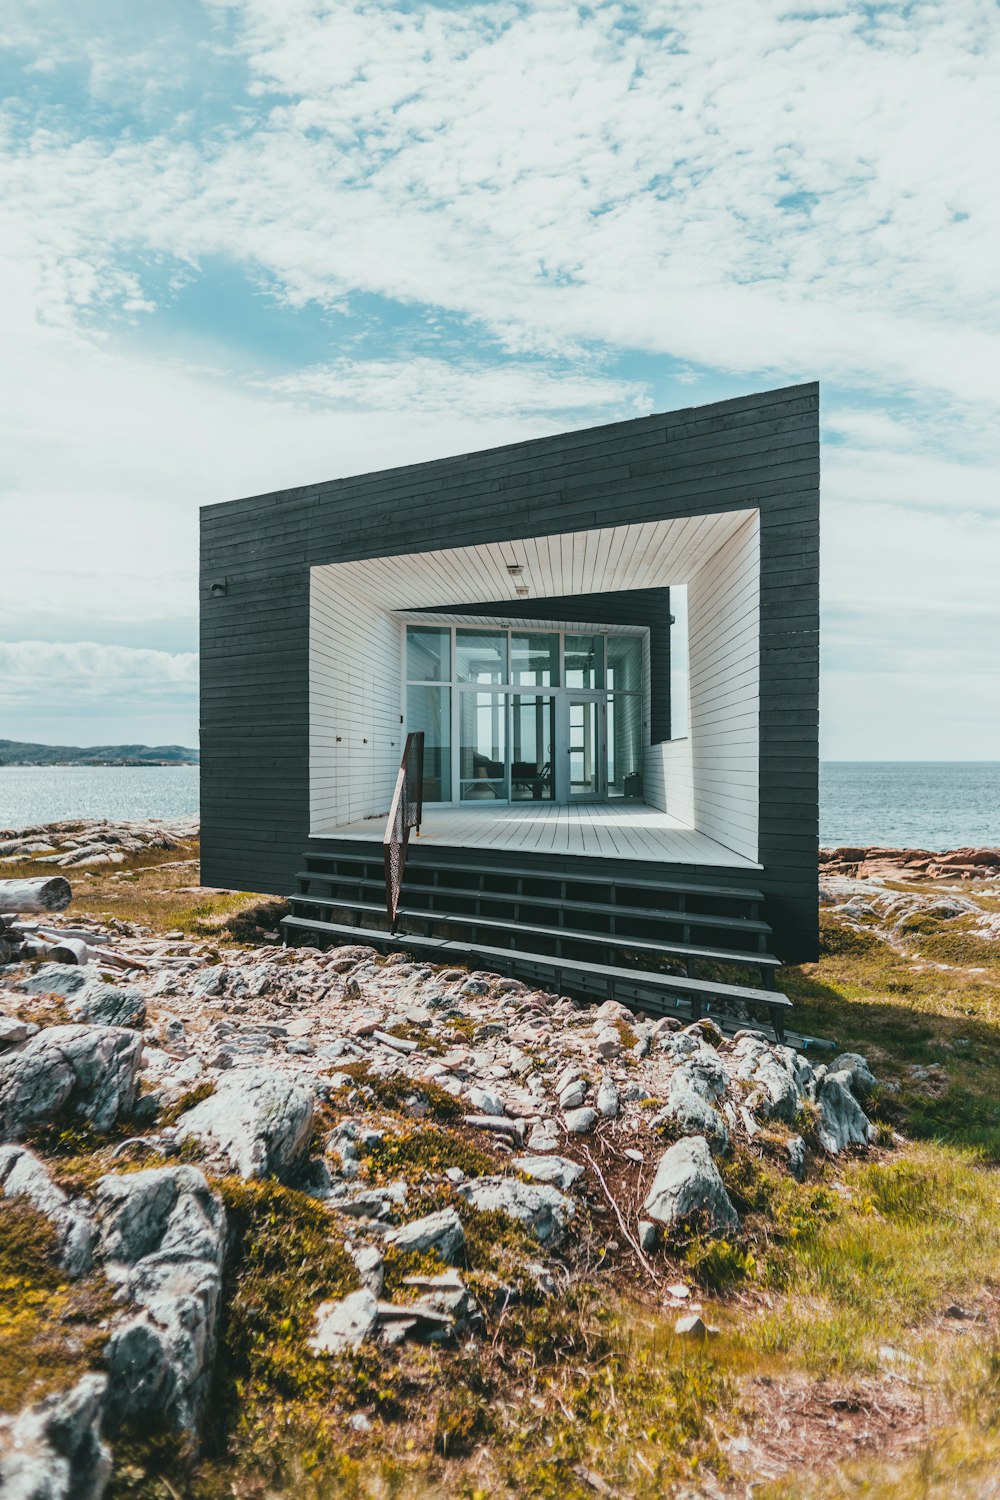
{"x":613,"y":559}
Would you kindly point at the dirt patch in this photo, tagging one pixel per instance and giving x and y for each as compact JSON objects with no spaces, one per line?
{"x":810,"y":1425}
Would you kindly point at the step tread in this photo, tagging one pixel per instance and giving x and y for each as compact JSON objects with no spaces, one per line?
{"x":683,"y":918}
{"x":452,"y":949}
{"x":698,"y":888}
{"x":607,"y":939}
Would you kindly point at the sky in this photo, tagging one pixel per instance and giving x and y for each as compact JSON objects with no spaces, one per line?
{"x":250,"y":244}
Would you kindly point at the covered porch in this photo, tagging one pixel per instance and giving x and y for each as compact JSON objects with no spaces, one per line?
{"x":622,"y":830}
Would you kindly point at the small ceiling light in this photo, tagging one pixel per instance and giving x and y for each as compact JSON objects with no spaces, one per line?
{"x":515,"y":569}
{"x":521,"y":591}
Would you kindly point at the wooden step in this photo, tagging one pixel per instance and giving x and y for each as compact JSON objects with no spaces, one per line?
{"x":609,"y":908}
{"x":686,"y":951}
{"x":541,"y":872}
{"x":586,"y":977}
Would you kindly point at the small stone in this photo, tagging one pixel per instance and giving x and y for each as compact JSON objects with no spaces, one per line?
{"x":633,"y":1154}
{"x":371,"y":1267}
{"x":573,"y":1095}
{"x":12,"y":1030}
{"x":485,"y":1103}
{"x":648,"y":1235}
{"x":538,"y":1206}
{"x":795,"y":1146}
{"x":580,"y":1121}
{"x":608,"y":1043}
{"x":687,"y":1184}
{"x":679,"y":1291}
{"x":691,"y":1327}
{"x":608,"y":1102}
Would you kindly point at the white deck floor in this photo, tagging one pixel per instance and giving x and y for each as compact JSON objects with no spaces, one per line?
{"x":625,"y":830}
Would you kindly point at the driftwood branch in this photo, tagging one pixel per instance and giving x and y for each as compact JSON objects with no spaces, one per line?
{"x":47,"y":893}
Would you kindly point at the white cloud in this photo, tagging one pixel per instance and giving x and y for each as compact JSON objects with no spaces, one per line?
{"x":84,"y":671}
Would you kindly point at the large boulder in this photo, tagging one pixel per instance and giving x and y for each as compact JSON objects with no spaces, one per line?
{"x":258,"y":1119}
{"x":23,"y":1175}
{"x":859,"y":1077}
{"x":687,"y":1186}
{"x":784,"y":1078}
{"x":108,"y":1005}
{"x":692,"y":1114}
{"x":163,"y":1236}
{"x":53,"y":1450}
{"x":86,"y":1074}
{"x":538,"y":1206}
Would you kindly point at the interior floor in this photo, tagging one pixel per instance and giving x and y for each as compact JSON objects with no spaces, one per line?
{"x":617,"y":830}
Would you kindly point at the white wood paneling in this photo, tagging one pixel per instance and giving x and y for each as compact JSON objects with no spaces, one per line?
{"x":724,"y":675}
{"x":708,"y":782}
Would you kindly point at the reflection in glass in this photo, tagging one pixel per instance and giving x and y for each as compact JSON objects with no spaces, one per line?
{"x":585,"y":661}
{"x":428,"y":653}
{"x":429,"y":709}
{"x":534,"y":659}
{"x":624,"y":664}
{"x":483,"y":746}
{"x":625,"y":745}
{"x":532,"y":736}
{"x":481,"y":655}
{"x":679,"y":685}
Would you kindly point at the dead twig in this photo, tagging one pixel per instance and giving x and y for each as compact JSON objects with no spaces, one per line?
{"x":633,"y":1242}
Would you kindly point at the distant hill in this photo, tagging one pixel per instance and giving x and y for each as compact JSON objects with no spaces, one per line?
{"x":17,"y":753}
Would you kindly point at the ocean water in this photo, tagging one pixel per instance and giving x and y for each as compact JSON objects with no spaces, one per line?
{"x":910,"y":804}
{"x":51,"y":794}
{"x":916,"y":804}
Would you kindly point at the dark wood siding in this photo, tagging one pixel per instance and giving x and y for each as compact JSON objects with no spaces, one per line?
{"x":760,"y":450}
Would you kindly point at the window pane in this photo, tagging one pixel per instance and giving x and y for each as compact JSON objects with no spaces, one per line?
{"x":428,"y":653}
{"x":483,"y":746}
{"x":533,"y":735}
{"x":482,"y":655}
{"x":585,"y":661}
{"x":534,"y":659}
{"x":625,"y":745}
{"x":624,"y":663}
{"x":429,"y":709}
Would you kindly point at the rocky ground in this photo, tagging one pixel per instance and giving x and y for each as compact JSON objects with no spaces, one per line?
{"x":290,"y":1221}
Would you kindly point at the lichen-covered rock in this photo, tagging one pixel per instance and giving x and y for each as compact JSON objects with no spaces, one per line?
{"x":53,"y":1450}
{"x":538,"y":1206}
{"x":64,"y":980}
{"x":23,"y":1175}
{"x":87,"y":1074}
{"x":442,"y":1232}
{"x":260,"y":1120}
{"x":687,"y":1185}
{"x":842,"y":1121}
{"x":163,"y":1235}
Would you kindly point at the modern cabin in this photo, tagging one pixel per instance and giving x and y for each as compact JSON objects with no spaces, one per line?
{"x":609,"y":641}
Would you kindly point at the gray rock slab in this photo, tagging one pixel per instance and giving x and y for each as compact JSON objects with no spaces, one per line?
{"x":862,"y":1079}
{"x":442,"y":1232}
{"x":580,"y":1121}
{"x":163,"y":1237}
{"x":260,"y":1120}
{"x":538,"y":1206}
{"x":687,"y":1185}
{"x":842,"y":1121}
{"x":99,"y":1004}
{"x":558,"y":1170}
{"x":54,"y":1450}
{"x":693,"y":1114}
{"x":23,"y":1175}
{"x":84,"y":1073}
{"x":345,"y":1324}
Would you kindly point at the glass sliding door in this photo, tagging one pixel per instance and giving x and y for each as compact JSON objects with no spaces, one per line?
{"x":585,"y":749}
{"x":532,"y":744}
{"x":482,"y":746}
